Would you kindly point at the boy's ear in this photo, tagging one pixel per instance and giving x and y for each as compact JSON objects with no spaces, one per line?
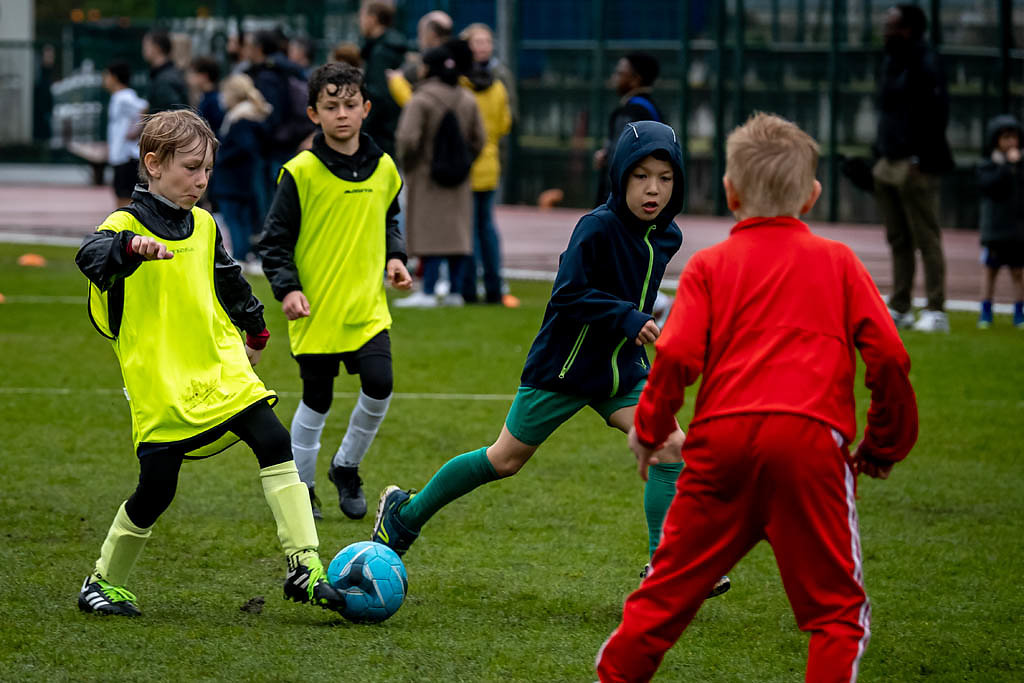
{"x":732,"y":197}
{"x":367,"y":106}
{"x":815,"y":193}
{"x":152,"y":165}
{"x":313,"y":116}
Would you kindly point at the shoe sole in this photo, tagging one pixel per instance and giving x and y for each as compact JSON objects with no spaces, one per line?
{"x":85,"y":607}
{"x":380,"y":511}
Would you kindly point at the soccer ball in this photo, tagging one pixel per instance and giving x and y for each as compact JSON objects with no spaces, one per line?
{"x":372,"y":578}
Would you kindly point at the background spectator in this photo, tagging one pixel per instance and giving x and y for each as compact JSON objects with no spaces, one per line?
{"x":300,"y":51}
{"x":633,"y":78}
{"x":123,"y":116}
{"x":1001,"y":182}
{"x":431,"y":239}
{"x":234,"y":176}
{"x":167,"y":87}
{"x":492,"y":100}
{"x":347,"y":53}
{"x":203,"y":76}
{"x":433,"y":30}
{"x":383,"y":49}
{"x":914,"y":110}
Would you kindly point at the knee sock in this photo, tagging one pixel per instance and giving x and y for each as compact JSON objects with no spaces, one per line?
{"x":307,"y":425}
{"x":457,"y":477}
{"x":123,"y":545}
{"x":658,"y":495}
{"x":362,"y":428}
{"x":288,"y":499}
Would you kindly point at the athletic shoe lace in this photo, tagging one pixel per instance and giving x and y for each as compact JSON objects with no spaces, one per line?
{"x":116,"y":593}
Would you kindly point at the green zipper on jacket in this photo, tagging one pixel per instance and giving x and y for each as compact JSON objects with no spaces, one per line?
{"x":643,"y":298}
{"x":575,"y":350}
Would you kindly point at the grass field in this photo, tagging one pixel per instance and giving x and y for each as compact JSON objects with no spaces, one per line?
{"x":521,"y":581}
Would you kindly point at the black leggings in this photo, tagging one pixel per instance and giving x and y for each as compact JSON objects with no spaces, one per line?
{"x":372,"y":362}
{"x":258,"y":427}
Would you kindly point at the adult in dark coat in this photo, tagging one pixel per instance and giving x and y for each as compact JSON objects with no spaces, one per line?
{"x":913,"y":153}
{"x":167,"y":87}
{"x":383,"y":49}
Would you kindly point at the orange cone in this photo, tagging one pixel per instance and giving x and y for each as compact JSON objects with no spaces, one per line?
{"x":550,"y":198}
{"x":32,"y":261}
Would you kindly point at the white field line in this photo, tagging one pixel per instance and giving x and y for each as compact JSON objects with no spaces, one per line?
{"x":952,"y":305}
{"x":44,"y":240}
{"x":66,"y":391}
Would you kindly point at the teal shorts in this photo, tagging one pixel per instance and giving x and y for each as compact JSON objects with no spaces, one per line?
{"x":536,"y":413}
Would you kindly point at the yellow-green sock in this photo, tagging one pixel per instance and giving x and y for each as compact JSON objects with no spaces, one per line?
{"x":288,"y":499}
{"x":121,"y":548}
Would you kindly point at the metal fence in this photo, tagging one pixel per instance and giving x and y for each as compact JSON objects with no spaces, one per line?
{"x":813,"y":62}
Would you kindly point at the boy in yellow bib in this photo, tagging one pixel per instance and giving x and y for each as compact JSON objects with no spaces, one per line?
{"x":168,"y":296}
{"x":331,"y":234}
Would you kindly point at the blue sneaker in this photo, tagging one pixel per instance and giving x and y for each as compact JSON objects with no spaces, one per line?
{"x":1018,"y":315}
{"x":387,"y":528}
{"x":985,"y":317}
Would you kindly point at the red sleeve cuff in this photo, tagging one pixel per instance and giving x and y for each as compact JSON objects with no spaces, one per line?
{"x":257,"y":342}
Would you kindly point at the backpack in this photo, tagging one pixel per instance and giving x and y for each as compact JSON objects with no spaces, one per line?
{"x":452,"y":159}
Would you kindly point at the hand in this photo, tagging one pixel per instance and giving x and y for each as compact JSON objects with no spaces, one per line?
{"x":253,"y":355}
{"x":148,"y":249}
{"x":644,"y":456}
{"x":295,"y":305}
{"x":600,"y":158}
{"x":648,"y":333}
{"x":398,"y":274}
{"x":862,"y":465}
{"x":1013,"y":155}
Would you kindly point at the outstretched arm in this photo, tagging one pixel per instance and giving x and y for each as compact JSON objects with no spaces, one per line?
{"x":107,"y":256}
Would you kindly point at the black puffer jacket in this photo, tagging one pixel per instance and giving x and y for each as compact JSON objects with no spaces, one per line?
{"x":104,"y":258}
{"x":1001,"y":184}
{"x":380,"y":54}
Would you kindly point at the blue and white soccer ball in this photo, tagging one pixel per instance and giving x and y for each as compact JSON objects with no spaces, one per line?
{"x":372,"y":578}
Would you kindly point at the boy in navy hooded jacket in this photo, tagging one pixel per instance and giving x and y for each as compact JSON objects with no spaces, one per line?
{"x":590,"y":348}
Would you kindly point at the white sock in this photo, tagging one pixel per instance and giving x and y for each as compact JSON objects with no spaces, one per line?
{"x":306,"y":428}
{"x":362,"y":427}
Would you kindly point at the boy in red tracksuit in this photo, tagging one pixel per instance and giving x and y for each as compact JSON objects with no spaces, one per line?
{"x":771,"y":318}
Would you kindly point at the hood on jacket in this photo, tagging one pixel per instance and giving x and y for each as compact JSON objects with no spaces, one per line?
{"x":996,"y":126}
{"x":638,"y":140}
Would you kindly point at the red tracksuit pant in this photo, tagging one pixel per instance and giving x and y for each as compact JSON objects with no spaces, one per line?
{"x":776,"y":477}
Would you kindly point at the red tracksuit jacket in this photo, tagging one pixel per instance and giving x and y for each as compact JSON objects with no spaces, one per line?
{"x":773,"y":317}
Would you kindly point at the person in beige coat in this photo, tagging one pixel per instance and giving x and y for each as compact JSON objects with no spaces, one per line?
{"x":439,"y":218}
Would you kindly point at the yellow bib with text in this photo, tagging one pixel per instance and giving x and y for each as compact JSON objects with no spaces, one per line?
{"x":340,"y":255}
{"x":182,"y":359}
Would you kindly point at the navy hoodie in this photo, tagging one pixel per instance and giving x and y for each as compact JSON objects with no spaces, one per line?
{"x":1002,"y":189}
{"x":607,"y":281}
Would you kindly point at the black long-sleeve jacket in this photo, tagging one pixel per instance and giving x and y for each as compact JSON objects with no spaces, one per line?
{"x":281,"y":228}
{"x":105,"y":260}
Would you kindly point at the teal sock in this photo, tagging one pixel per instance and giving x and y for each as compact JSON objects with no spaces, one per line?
{"x":456,"y":478}
{"x":658,"y":494}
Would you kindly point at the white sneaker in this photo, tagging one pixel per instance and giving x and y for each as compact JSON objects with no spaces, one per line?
{"x":453,"y":300}
{"x":442,"y":288}
{"x":904,"y":321}
{"x":253,"y":267}
{"x":417,"y":300}
{"x":932,"y":321}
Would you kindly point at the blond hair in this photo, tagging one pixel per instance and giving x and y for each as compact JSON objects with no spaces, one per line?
{"x":771,"y":163}
{"x":167,"y":132}
{"x":239,"y":88}
{"x":473,"y":28}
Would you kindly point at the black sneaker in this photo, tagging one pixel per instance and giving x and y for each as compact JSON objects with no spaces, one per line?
{"x":387,"y":529}
{"x":307,"y":582}
{"x":104,"y":598}
{"x":721,"y":586}
{"x":350,"y":491}
{"x":314,"y":502}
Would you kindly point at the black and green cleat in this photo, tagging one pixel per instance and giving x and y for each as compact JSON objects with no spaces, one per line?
{"x":100,"y":597}
{"x":306,"y":581}
{"x":387,"y":528}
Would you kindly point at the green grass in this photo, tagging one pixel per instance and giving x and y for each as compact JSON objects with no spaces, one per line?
{"x":519,"y":582}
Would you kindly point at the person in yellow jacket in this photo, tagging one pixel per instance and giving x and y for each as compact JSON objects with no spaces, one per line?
{"x":493,"y":102}
{"x":166,"y":293}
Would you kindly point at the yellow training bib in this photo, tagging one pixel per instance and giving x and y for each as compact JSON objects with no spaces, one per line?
{"x":340,"y":255}
{"x":183,"y":362}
